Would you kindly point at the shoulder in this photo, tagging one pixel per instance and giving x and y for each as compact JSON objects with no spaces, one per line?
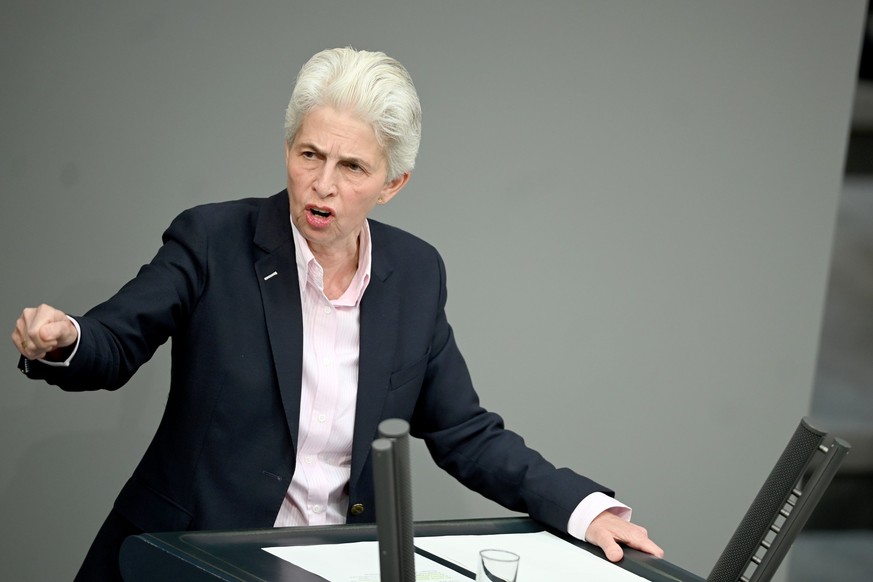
{"x":229,"y":217}
{"x":410,"y":259}
{"x":397,"y":242}
{"x":224,"y":213}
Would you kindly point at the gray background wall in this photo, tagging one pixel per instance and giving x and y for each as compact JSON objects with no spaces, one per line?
{"x":635,"y":201}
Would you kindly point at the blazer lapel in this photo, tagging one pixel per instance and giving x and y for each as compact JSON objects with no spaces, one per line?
{"x":280,"y":293}
{"x":379,"y":325}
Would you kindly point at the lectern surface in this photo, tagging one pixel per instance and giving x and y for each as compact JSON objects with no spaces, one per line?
{"x":237,"y":555}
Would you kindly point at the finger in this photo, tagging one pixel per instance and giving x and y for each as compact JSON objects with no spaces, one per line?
{"x":27,"y":316}
{"x":56,"y":334}
{"x":638,"y":538}
{"x":612,"y":550}
{"x":43,"y":314}
{"x":18,"y":341}
{"x":607,"y":540}
{"x":32,"y":318}
{"x":19,"y":335}
{"x":34,"y":350}
{"x":30,"y":350}
{"x":608,"y":531}
{"x":645,"y":544}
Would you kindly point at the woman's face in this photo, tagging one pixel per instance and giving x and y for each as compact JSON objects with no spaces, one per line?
{"x":336,"y":174}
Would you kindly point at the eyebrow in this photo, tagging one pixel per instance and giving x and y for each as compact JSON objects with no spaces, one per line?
{"x":347,"y":159}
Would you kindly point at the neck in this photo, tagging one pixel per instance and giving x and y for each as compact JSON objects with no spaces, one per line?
{"x":339,"y":266}
{"x":333,"y":258}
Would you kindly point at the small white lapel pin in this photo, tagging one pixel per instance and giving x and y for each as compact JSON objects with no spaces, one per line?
{"x":270,"y":276}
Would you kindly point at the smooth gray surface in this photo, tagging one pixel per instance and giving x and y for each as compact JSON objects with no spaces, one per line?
{"x":838,"y":556}
{"x":635,"y":201}
{"x":843,"y":392}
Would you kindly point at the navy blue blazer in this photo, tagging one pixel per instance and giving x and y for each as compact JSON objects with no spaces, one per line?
{"x":223,"y":455}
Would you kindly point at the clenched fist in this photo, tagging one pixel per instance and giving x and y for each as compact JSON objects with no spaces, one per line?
{"x":39,"y":331}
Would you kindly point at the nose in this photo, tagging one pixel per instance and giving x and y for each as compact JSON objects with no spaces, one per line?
{"x":325,"y":181}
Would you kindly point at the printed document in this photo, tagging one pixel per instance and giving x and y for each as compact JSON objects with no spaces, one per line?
{"x":543,"y":557}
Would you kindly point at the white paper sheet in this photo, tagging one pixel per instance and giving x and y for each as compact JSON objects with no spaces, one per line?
{"x":357,"y":562}
{"x":544,"y":558}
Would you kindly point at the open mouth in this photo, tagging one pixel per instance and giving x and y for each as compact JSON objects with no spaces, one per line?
{"x":319,"y":217}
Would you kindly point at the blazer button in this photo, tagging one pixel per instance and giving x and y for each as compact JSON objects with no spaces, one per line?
{"x":357,"y":509}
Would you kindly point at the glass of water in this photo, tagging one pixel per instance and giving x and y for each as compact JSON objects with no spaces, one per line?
{"x":497,"y":566}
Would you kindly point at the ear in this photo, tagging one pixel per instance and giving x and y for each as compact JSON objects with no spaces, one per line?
{"x":392,"y":187}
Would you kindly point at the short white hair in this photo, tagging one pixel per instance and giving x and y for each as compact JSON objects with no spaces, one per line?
{"x":371,"y":84}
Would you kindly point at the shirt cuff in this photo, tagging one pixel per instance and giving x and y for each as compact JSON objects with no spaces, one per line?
{"x":69,"y":359}
{"x":591,"y":507}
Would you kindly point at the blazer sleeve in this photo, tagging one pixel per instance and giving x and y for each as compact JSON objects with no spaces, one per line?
{"x":473,"y":445}
{"x":122,"y":333}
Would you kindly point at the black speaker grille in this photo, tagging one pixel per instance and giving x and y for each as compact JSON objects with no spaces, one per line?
{"x":755,"y":525}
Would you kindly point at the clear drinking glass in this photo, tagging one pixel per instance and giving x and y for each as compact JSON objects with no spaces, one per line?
{"x":497,"y":566}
